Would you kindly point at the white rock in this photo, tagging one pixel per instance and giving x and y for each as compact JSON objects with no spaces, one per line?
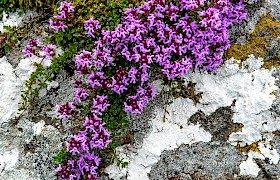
{"x":8,"y":159}
{"x":39,"y":127}
{"x":251,"y":87}
{"x":11,"y":83}
{"x":249,"y":168}
{"x":9,"y":90}
{"x":13,"y":19}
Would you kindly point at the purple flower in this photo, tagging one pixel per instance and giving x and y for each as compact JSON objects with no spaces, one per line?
{"x":88,"y":163}
{"x":65,"y":9}
{"x":77,"y":83}
{"x":49,"y":52}
{"x":65,"y":110}
{"x":101,"y":139}
{"x":94,"y":123}
{"x":78,"y":143}
{"x":100,"y":103}
{"x":28,"y":51}
{"x":91,"y":26}
{"x":57,"y":25}
{"x":80,"y":95}
{"x":34,"y":42}
{"x":135,"y":104}
{"x":84,"y":60}
{"x":97,"y":79}
{"x":102,"y":57}
{"x":63,"y":172}
{"x":119,"y":81}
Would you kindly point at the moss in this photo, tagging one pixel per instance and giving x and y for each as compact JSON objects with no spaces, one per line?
{"x":12,"y":5}
{"x":265,"y":30}
{"x":252,"y":147}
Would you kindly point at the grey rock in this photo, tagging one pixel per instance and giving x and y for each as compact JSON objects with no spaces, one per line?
{"x":213,"y":160}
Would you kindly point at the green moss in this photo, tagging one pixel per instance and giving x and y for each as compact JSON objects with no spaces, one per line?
{"x":12,"y":5}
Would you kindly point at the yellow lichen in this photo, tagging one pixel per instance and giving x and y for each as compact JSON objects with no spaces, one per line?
{"x":276,"y":133}
{"x":265,"y":30}
{"x":270,"y":63}
{"x":246,"y":149}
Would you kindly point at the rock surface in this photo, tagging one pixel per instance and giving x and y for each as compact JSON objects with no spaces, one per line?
{"x":231,"y":133}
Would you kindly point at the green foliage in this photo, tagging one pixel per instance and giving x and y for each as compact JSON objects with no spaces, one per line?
{"x":115,"y":118}
{"x":11,"y":37}
{"x":41,"y":75}
{"x":74,"y":39}
{"x":119,"y":161}
{"x":7,"y":6}
{"x":61,"y":156}
{"x":13,"y":5}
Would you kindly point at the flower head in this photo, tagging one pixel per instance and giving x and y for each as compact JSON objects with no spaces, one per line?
{"x":65,"y":110}
{"x":91,"y":26}
{"x":49,"y":51}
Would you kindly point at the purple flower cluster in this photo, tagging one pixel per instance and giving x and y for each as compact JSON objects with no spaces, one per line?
{"x":136,"y":103}
{"x":160,"y":33}
{"x":77,"y":169}
{"x":33,"y":45}
{"x":81,"y":146}
{"x":174,"y":37}
{"x":65,"y":110}
{"x":49,"y":51}
{"x":30,"y":48}
{"x":91,"y":26}
{"x":81,"y":94}
{"x":84,"y":163}
{"x":83,"y":60}
{"x":64,"y":11}
{"x":100,"y":103}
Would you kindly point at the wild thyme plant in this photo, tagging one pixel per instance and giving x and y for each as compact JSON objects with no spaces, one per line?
{"x":174,"y":36}
{"x":71,"y":40}
{"x":177,"y":36}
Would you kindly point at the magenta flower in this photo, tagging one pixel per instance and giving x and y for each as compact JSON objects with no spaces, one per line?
{"x":65,"y":9}
{"x":34,"y":42}
{"x":49,"y":51}
{"x":100,"y":139}
{"x":97,"y":79}
{"x":30,"y":48}
{"x":93,"y":124}
{"x":100,"y":103}
{"x":78,"y":143}
{"x":135,"y":104}
{"x":65,"y":110}
{"x":63,"y":172}
{"x":91,"y":26}
{"x":84,"y":60}
{"x":28,"y":51}
{"x":81,"y":95}
{"x":57,"y":25}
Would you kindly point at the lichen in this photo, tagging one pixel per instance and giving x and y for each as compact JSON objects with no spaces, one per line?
{"x":246,"y":149}
{"x":272,"y":62}
{"x":259,"y":41}
{"x":276,"y":133}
